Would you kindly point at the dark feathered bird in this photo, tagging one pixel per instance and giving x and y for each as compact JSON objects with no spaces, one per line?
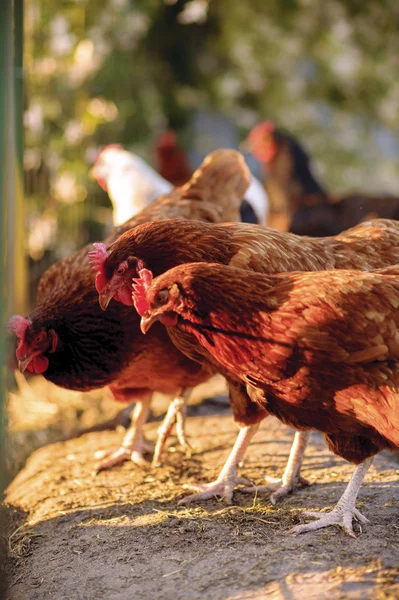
{"x":163,"y":245}
{"x":75,"y":345}
{"x":172,"y":161}
{"x":317,"y":350}
{"x":299,"y":202}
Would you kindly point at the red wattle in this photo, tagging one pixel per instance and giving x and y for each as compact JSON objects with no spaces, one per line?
{"x":22,"y":350}
{"x":100,"y":282}
{"x":141,"y":305}
{"x":169,"y":318}
{"x":125,"y":296}
{"x":39,"y":364}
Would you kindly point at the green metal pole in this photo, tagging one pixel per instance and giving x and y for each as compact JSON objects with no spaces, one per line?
{"x":13,"y":261}
{"x":6,"y":65}
{"x":12,"y":251}
{"x":6,"y":160}
{"x":17,"y":230}
{"x":19,"y":83}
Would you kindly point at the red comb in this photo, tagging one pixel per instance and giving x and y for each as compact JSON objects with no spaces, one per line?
{"x":98,"y":258}
{"x":262,"y":128}
{"x":116,"y":146}
{"x":18,"y":325}
{"x":263,"y":150}
{"x":167,"y":139}
{"x":140,"y":287}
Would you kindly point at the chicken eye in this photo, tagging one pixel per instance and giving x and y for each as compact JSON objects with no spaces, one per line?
{"x":120,"y":271}
{"x":162,"y":297}
{"x":40,"y":337}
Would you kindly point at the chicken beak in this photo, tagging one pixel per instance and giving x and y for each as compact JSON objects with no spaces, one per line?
{"x":98,"y":173}
{"x":23,"y":364}
{"x":104,"y":299}
{"x":147,"y":322}
{"x":93,"y":173}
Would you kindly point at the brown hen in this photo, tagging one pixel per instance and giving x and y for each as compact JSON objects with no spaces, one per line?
{"x":162,"y":245}
{"x":317,"y":350}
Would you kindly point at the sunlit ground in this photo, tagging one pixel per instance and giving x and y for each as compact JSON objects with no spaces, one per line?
{"x":39,"y":413}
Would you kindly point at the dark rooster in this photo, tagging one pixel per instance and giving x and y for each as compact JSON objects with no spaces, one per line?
{"x":163,"y":245}
{"x":72,"y":343}
{"x":172,"y":162}
{"x":317,"y":350}
{"x":299,"y":203}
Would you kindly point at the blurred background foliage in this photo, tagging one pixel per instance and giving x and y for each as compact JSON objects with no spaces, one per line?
{"x":105,"y":71}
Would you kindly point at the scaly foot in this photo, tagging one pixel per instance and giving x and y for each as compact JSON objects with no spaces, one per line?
{"x":222,"y":487}
{"x":228,"y":478}
{"x":344,"y":511}
{"x":181,"y":432}
{"x":134,"y":453}
{"x":338,"y":516}
{"x":280,"y":488}
{"x":176,"y":413}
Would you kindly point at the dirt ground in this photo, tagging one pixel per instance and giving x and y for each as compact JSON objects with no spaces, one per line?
{"x":120,"y":535}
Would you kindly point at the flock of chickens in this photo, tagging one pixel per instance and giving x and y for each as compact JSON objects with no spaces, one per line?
{"x":302,"y":328}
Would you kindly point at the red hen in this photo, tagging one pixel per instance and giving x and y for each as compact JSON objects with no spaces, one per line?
{"x":317,"y":350}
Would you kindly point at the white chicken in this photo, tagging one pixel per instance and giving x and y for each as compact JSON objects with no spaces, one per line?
{"x":256,"y":196}
{"x":130,"y":182}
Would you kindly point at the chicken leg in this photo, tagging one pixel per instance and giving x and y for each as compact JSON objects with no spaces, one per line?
{"x":176,"y":413}
{"x":228,"y":479}
{"x":291,"y":479}
{"x":345,"y":510}
{"x":133,"y":445}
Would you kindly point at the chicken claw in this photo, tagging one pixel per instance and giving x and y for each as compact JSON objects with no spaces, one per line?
{"x":339,"y":516}
{"x":344,"y":511}
{"x":228,"y":479}
{"x":134,"y":445}
{"x":291,"y":480}
{"x":118,"y":457}
{"x":280,"y":487}
{"x":222,"y":487}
